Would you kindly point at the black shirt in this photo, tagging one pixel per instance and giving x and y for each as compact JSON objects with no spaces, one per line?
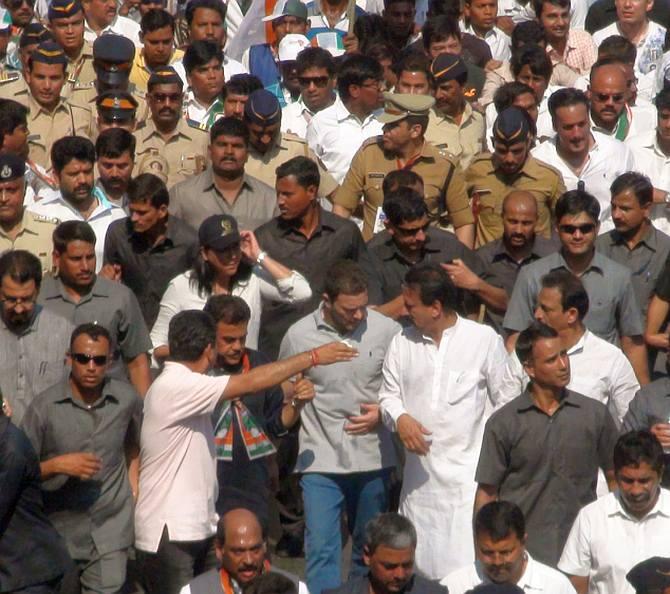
{"x":334,"y":239}
{"x":31,"y":551}
{"x":145,"y":269}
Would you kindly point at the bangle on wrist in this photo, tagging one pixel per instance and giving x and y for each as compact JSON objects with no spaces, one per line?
{"x":314,"y":356}
{"x":261,"y":256}
{"x":295,"y":403}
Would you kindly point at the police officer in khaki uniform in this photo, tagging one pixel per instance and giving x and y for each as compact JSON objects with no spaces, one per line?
{"x":112,"y":61}
{"x":167,"y":132}
{"x":66,"y":22}
{"x":492,"y":176}
{"x":453,"y":125}
{"x":403,"y":146}
{"x":116,"y":109}
{"x":50,"y":116}
{"x":20,"y":229}
{"x":269,"y":147}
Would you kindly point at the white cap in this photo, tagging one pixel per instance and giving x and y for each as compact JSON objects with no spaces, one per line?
{"x":291,"y":45}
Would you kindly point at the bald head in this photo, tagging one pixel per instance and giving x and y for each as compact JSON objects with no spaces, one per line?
{"x":239,"y":545}
{"x":607,"y":92}
{"x":519,"y":215}
{"x":608,"y":74}
{"x":238,"y":522}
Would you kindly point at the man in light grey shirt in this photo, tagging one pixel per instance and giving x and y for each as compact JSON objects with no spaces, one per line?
{"x":345,"y":453}
{"x":33,"y":340}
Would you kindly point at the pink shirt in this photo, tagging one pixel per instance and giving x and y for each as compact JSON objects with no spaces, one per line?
{"x":178,"y":487}
{"x":580,"y":52}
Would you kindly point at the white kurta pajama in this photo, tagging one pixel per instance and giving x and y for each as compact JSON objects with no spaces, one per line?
{"x":450,"y":390}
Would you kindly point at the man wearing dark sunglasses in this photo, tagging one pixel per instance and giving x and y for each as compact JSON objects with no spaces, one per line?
{"x":85,"y":430}
{"x":614,"y":313}
{"x":21,"y":11}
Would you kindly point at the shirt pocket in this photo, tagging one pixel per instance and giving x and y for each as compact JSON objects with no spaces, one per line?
{"x":462,"y":388}
{"x":191,"y":164}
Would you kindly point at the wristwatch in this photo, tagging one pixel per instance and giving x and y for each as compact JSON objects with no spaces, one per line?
{"x":261,"y":257}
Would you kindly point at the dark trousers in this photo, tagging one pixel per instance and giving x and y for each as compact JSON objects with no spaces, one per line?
{"x":175,"y":564}
{"x":51,"y":587}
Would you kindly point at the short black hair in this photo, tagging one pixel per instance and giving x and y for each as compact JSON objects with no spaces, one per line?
{"x":200,"y":53}
{"x":640,"y":185}
{"x":399,"y":178}
{"x":241,"y":84}
{"x":573,"y":293}
{"x":527,"y":338}
{"x":388,"y":3}
{"x":228,"y":309}
{"x":229,"y":126}
{"x":345,"y":277}
{"x":575,"y":202}
{"x":404,"y":205}
{"x":527,"y":33}
{"x":566,"y":97}
{"x":155,"y":19}
{"x":69,"y":231}
{"x":92,"y":330}
{"x":414,"y":62}
{"x":538,"y":4}
{"x":433,"y":284}
{"x":271,"y":582}
{"x":113,"y":142}
{"x":637,"y":447}
{"x":439,"y":28}
{"x":370,"y":27}
{"x":149,"y":189}
{"x":304,"y":169}
{"x":21,"y":266}
{"x":662,"y":100}
{"x":506,"y":94}
{"x":500,"y":519}
{"x":12,"y":115}
{"x":315,"y":57}
{"x":617,"y":47}
{"x":355,"y":70}
{"x":69,"y":148}
{"x":536,"y":58}
{"x":215,"y":5}
{"x":189,"y":334}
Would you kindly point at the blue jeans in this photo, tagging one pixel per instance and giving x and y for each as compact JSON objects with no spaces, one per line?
{"x":362,"y":495}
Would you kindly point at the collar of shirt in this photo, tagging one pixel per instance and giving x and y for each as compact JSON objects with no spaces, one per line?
{"x":596,"y":264}
{"x":301,"y":108}
{"x":149,"y":130}
{"x":67,"y":396}
{"x":501,"y":253}
{"x":288,"y":228}
{"x":421,"y":337}
{"x":570,"y":45}
{"x":56,"y":290}
{"x":23,"y":228}
{"x":650,"y":240}
{"x":443,"y":117}
{"x":578,"y":347}
{"x":209,"y":185}
{"x":35,"y":109}
{"x":170,"y":239}
{"x":531,"y":580}
{"x":109,"y":28}
{"x":191,"y":100}
{"x":342,"y":114}
{"x":468,"y":28}
{"x":615,"y":507}
{"x":32,"y":327}
{"x":103,"y":205}
{"x":525,"y":402}
{"x":389,"y":250}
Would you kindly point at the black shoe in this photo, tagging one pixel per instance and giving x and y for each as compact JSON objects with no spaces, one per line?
{"x":289,"y":546}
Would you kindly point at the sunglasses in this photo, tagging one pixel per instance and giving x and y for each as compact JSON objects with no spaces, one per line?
{"x":319,"y":81}
{"x":604,"y":97}
{"x":412,"y":232}
{"x":83,"y":359}
{"x":583,"y":229}
{"x":14,"y":4}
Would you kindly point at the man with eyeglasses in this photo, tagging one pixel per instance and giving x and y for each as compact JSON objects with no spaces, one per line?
{"x":85,"y":430}
{"x":269,"y":147}
{"x":316,"y":75}
{"x":33,"y":340}
{"x":586,"y":158}
{"x":167,"y":133}
{"x":614,"y":314}
{"x":66,"y":22}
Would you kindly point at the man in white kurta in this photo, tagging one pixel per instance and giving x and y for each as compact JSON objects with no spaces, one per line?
{"x":440,"y":378}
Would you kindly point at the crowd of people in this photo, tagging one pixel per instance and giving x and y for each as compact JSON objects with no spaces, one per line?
{"x":383,"y":284}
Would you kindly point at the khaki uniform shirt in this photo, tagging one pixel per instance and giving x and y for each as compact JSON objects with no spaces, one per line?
{"x":185,"y":151}
{"x":488,"y":189}
{"x":86,"y":94}
{"x":11,"y":82}
{"x":34,"y":236}
{"x":46,"y":128}
{"x":463,"y":141}
{"x":442,"y":179}
{"x":263,"y":166}
{"x":80,"y":72}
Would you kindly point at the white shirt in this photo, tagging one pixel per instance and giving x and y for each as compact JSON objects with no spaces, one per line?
{"x":178,"y":486}
{"x":295,"y":117}
{"x":54,"y":205}
{"x":196,"y":111}
{"x":607,"y":159}
{"x":598,"y":369}
{"x":230,"y":68}
{"x":120,"y":25}
{"x":649,"y":55}
{"x":497,"y":40}
{"x":605,"y":542}
{"x":536,"y":578}
{"x":335,"y":134}
{"x":450,"y":390}
{"x":652,"y":161}
{"x":181,"y":295}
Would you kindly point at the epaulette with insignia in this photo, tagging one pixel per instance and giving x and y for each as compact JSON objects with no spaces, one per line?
{"x":9,"y":76}
{"x":196,"y":124}
{"x":293,"y":137}
{"x":45,"y":219}
{"x":83,"y":86}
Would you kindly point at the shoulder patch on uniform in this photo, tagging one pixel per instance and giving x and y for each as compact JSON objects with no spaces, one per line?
{"x":9,"y":76}
{"x":45,"y":219}
{"x":293,"y":137}
{"x":79,"y":86}
{"x":196,"y":124}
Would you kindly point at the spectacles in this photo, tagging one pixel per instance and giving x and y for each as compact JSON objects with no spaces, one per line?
{"x":14,"y":4}
{"x":14,"y":301}
{"x":375,"y":84}
{"x":412,"y":232}
{"x":163,"y":97}
{"x":84,"y":359}
{"x":583,"y":229}
{"x":603,"y":97}
{"x":319,"y":81}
